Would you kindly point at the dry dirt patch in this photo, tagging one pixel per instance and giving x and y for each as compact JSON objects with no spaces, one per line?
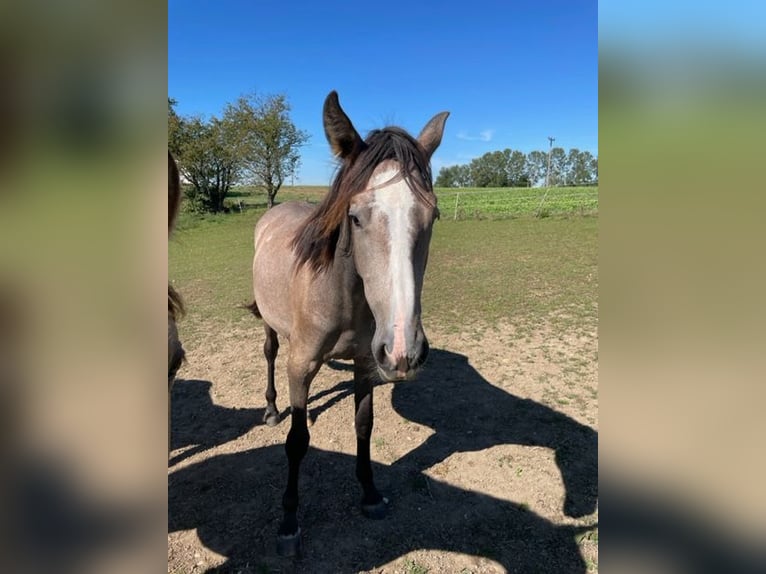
{"x":489,"y":458}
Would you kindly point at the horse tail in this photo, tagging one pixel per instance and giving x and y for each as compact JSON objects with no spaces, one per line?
{"x":176,"y":308}
{"x":253,"y":308}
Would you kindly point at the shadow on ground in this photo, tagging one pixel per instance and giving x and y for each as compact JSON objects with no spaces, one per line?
{"x":200,"y":424}
{"x":468,"y":413}
{"x":233,"y":500}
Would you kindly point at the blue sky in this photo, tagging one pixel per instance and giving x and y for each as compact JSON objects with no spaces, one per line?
{"x":509,"y":72}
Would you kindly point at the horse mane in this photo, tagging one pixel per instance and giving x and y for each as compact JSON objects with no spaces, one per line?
{"x":315,"y":243}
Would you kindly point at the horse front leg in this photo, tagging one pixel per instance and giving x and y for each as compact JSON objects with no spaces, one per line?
{"x":300,"y":376}
{"x":373,"y":504}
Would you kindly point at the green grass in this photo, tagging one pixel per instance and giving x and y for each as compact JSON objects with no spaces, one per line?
{"x":523,"y":270}
{"x":412,"y":567}
{"x":493,"y":203}
{"x":464,"y":203}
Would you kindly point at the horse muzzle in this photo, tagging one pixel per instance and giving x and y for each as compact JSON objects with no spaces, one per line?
{"x":395,"y":364}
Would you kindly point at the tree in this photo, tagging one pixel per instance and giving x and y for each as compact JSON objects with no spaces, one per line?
{"x":267,"y":140}
{"x":447,"y":177}
{"x":463,"y":176}
{"x":516,"y":168}
{"x":579,"y":165}
{"x":454,"y":176}
{"x":174,"y":128}
{"x":537,"y":163}
{"x":489,"y":170}
{"x":558,"y":166}
{"x":593,"y":170}
{"x":206,"y":156}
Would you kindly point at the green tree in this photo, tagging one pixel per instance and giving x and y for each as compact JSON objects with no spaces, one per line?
{"x":268,"y":141}
{"x":489,"y":170}
{"x":174,"y":128}
{"x":207,"y":160}
{"x":537,"y":162}
{"x":206,"y":157}
{"x":579,"y":170}
{"x":454,"y":176}
{"x":447,"y":176}
{"x":558,"y":166}
{"x":463,"y":176}
{"x":516,"y":168}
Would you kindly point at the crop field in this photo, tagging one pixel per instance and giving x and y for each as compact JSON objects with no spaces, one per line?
{"x":489,"y":456}
{"x":462,"y":203}
{"x":469,"y":203}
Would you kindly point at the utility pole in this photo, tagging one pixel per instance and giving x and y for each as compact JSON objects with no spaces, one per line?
{"x":548,"y":173}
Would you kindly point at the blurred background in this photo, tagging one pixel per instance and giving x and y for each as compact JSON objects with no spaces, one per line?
{"x":83,"y":267}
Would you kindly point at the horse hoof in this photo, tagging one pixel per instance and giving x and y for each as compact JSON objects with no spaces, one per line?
{"x":290,"y":545}
{"x":271,"y":419}
{"x":376,"y":511}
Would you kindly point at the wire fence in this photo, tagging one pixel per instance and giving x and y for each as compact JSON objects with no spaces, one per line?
{"x":478,"y":203}
{"x":462,"y":203}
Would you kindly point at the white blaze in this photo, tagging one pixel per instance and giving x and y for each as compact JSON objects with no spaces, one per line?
{"x":396,"y":201}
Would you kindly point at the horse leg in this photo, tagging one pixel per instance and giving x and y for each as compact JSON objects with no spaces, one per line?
{"x":300,"y":377}
{"x":170,"y":388}
{"x":270,"y":350}
{"x":373,"y":504}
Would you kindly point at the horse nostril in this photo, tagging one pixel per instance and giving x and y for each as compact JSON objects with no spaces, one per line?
{"x":381,"y":354}
{"x":420,"y":355}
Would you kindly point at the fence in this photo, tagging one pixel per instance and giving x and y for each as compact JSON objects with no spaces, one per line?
{"x":465,"y":203}
{"x":471,"y":203}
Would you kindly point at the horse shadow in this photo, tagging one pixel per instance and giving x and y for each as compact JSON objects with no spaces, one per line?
{"x":233,"y":502}
{"x":199,"y":423}
{"x":467,"y":413}
{"x":55,"y":522}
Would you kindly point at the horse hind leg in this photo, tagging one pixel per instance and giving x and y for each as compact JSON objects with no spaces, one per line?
{"x":270,"y":350}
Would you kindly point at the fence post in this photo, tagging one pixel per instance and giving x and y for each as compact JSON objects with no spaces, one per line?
{"x":457,"y":198}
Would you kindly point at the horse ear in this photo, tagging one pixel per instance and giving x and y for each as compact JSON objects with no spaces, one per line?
{"x":344,"y":139}
{"x":431,"y":136}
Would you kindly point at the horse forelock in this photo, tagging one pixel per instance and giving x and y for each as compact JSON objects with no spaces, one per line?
{"x":316,"y":241}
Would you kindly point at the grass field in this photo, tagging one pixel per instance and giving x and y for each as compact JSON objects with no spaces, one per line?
{"x":478,"y":203}
{"x":520,"y":269}
{"x":463,"y":203}
{"x":490,"y":455}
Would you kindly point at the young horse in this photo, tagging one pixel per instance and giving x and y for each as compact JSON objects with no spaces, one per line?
{"x":343,"y":280}
{"x":175,"y":305}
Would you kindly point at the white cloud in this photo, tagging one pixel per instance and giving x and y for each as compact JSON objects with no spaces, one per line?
{"x":484,"y":136}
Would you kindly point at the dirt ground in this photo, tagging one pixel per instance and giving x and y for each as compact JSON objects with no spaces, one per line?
{"x":489,"y":459}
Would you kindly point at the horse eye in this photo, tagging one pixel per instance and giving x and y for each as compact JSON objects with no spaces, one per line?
{"x":355,"y":220}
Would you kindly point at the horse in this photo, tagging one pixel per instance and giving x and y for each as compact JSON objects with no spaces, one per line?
{"x":175,"y":304}
{"x":342,"y":280}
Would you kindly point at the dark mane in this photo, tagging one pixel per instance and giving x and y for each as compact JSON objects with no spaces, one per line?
{"x":316,"y":242}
